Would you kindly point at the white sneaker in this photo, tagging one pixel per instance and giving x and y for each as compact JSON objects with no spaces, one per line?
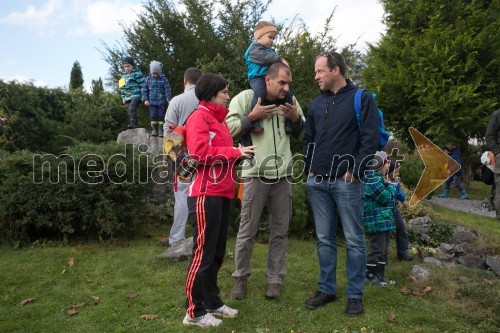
{"x":203,"y":321}
{"x":224,"y":311}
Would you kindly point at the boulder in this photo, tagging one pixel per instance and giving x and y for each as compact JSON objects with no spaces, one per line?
{"x":179,"y":251}
{"x":141,"y":138}
{"x":420,"y":226}
{"x":472,"y":261}
{"x":420,"y":273}
{"x":494,"y":264}
{"x":463,"y":235}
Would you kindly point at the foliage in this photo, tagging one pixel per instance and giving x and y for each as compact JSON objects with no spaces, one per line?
{"x":214,"y":35}
{"x":97,"y":88}
{"x":437,"y":68}
{"x":90,"y":190}
{"x":42,"y":119}
{"x":76,"y":78}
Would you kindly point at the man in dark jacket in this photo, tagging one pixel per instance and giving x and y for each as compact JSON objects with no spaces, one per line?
{"x":493,"y":141}
{"x":336,"y":152}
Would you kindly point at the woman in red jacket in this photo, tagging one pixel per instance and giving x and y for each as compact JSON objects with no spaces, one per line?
{"x":209,"y":196}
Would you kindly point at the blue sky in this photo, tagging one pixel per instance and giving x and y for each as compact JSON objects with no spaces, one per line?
{"x":41,"y":39}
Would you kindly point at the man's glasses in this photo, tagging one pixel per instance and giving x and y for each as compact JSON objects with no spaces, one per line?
{"x":328,"y":54}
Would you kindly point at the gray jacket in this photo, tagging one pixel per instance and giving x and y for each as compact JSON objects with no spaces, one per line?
{"x":180,"y":108}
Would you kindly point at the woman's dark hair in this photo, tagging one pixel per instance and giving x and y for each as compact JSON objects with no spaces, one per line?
{"x":208,"y":86}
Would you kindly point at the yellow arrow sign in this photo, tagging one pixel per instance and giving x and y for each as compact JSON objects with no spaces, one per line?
{"x":438,"y":166}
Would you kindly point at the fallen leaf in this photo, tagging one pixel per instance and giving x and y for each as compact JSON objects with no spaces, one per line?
{"x":392,"y":317}
{"x":96,"y":300}
{"x":413,"y":279}
{"x":63,"y":271}
{"x":489,"y":282}
{"x":162,"y":239}
{"x":27,"y":301}
{"x":71,"y":262}
{"x":426,"y":291}
{"x":78,"y":305}
{"x":72,"y":312}
{"x":131,"y":295}
{"x":149,"y":316}
{"x":405,"y":290}
{"x":123,"y":245}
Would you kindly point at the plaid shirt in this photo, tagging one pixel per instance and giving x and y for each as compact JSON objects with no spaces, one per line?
{"x":156,"y":91}
{"x":379,"y":202}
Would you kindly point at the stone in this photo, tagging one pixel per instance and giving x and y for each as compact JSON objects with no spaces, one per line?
{"x":420,"y":273}
{"x":442,"y":254}
{"x":494,"y":264}
{"x":448,"y":248}
{"x":420,"y":226}
{"x":463,"y":235}
{"x":142,"y":141}
{"x":463,"y":248}
{"x":433,"y":261}
{"x":179,"y":251}
{"x":472,"y":261}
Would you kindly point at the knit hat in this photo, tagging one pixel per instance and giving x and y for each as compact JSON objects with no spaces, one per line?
{"x":155,"y":67}
{"x":378,"y":160}
{"x":264,"y":30}
{"x":128,"y":60}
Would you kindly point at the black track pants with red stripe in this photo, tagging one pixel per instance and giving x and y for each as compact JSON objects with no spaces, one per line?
{"x":210,"y":237}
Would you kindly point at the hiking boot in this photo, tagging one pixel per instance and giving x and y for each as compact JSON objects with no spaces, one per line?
{"x":444,"y":194}
{"x":224,"y":311}
{"x":405,"y":257}
{"x":464,"y":195}
{"x":381,"y":274}
{"x":239,"y":289}
{"x":319,"y":299}
{"x":203,"y":321}
{"x":256,"y":128}
{"x":371,"y":276}
{"x":154,"y":131}
{"x":354,"y":307}
{"x":273,"y":290}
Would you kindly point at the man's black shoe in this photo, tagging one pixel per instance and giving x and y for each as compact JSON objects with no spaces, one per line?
{"x":354,"y":307}
{"x":405,"y":256}
{"x":319,"y":299}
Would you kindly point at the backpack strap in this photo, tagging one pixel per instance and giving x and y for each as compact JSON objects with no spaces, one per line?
{"x":357,"y":106}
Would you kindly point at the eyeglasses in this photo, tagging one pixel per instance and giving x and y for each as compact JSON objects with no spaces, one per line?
{"x":328,"y":54}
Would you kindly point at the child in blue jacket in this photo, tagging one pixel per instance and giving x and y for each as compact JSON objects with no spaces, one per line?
{"x":454,"y":152}
{"x":258,"y":57}
{"x":378,"y":219}
{"x":130,"y":88}
{"x":156,"y":93}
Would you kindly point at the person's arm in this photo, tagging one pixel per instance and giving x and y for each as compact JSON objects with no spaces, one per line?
{"x":197,"y":139}
{"x":168,"y":90}
{"x":308,"y":142}
{"x":492,"y":139}
{"x":380,"y":192}
{"x":260,"y":55}
{"x":369,"y":134}
{"x":145,"y":91}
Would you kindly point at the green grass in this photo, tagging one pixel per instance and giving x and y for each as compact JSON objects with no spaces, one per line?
{"x":112,"y":270}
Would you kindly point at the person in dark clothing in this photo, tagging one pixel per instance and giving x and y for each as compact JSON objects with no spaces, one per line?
{"x":336,"y":151}
{"x":493,"y":141}
{"x":454,"y":152}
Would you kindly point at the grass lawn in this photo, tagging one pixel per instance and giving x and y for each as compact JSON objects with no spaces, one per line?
{"x":461,"y":300}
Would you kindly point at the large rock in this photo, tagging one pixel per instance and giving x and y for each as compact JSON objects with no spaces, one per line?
{"x":180,"y":250}
{"x":420,"y":225}
{"x":143,"y":140}
{"x":463,"y":235}
{"x":472,"y":261}
{"x":494,"y":264}
{"x":420,"y":273}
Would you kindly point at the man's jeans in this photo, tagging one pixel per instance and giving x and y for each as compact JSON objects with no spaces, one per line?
{"x":327,"y":198}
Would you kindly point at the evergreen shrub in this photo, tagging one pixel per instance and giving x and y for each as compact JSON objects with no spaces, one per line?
{"x":89,"y":190}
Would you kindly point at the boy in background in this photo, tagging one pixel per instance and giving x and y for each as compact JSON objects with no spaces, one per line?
{"x":130,"y":88}
{"x":258,"y":57}
{"x":156,"y":93}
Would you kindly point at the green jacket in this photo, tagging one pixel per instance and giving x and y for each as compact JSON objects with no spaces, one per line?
{"x":271,"y":143}
{"x":378,"y":215}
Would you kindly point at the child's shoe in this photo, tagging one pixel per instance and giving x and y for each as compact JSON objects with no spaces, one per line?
{"x":224,"y":311}
{"x":154,"y":131}
{"x":371,"y":276}
{"x":202,"y":321}
{"x":381,"y":274}
{"x":444,"y":194}
{"x":463,"y":195}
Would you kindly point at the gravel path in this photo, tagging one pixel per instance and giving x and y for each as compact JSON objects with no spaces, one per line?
{"x":468,"y":206}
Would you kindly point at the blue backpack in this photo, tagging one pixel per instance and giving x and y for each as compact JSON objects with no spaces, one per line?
{"x":384,"y":135}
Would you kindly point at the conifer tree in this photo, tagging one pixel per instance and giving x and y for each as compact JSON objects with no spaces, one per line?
{"x":76,"y":79}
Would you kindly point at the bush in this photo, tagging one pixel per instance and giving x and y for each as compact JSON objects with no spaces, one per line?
{"x":97,"y":194}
